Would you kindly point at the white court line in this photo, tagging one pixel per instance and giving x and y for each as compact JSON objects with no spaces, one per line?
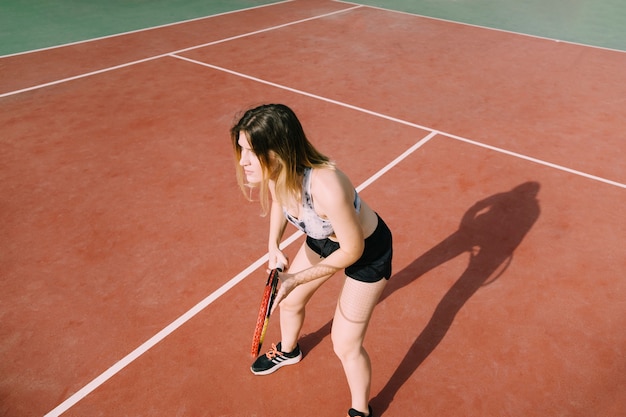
{"x":304,"y":93}
{"x":495,"y":29}
{"x":132,"y":356}
{"x":404,"y":122}
{"x":141,"y":30}
{"x":127,"y":64}
{"x":537,"y":161}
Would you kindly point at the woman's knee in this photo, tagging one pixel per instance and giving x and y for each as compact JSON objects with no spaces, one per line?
{"x":345,"y":347}
{"x":292,"y":306}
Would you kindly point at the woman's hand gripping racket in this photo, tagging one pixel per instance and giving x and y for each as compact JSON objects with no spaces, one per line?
{"x":263,"y":318}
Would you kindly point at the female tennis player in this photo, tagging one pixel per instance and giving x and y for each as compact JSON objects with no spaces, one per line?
{"x":300,"y":185}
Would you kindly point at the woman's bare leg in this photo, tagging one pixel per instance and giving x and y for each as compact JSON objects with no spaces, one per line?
{"x":352,"y":316}
{"x":293,"y":307}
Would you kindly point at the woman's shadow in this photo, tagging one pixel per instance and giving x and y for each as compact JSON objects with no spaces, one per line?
{"x":489,"y":232}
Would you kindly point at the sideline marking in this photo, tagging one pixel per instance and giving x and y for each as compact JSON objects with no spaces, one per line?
{"x":130,"y":32}
{"x":404,"y":122}
{"x":147,"y":345}
{"x":478,"y":26}
{"x":535,"y":160}
{"x":304,"y":93}
{"x":189,"y":314}
{"x":167,"y":54}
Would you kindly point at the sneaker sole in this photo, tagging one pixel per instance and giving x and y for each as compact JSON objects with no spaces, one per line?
{"x":276,"y":367}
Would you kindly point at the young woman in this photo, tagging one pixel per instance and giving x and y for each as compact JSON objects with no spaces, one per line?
{"x":300,"y":185}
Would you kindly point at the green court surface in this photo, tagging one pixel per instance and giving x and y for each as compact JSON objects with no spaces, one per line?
{"x":33,"y":24}
{"x":591,"y":22}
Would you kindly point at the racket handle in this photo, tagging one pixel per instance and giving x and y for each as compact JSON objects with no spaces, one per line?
{"x":280,"y":266}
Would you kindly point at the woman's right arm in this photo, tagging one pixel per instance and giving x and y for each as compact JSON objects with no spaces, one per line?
{"x":278,"y":223}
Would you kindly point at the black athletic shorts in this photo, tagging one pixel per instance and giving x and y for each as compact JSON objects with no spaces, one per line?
{"x":375,"y":262}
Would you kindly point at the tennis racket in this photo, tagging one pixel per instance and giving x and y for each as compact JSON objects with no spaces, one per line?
{"x":263,"y":318}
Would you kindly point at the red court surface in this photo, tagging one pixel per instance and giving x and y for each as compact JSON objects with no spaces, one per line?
{"x":132,"y":266}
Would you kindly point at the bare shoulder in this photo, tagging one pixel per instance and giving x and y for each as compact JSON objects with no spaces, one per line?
{"x":331,"y":185}
{"x":330,"y":178}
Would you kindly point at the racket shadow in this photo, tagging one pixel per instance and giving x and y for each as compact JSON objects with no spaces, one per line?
{"x":489,"y":232}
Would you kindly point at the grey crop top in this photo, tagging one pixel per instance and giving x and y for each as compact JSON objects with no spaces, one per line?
{"x":309,"y":222}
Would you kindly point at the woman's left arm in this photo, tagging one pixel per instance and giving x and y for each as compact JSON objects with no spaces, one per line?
{"x":333,"y":195}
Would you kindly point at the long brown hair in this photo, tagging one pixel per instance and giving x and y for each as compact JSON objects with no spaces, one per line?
{"x":278,"y":140}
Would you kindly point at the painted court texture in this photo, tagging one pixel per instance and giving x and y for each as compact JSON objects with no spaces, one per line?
{"x":131,"y":267}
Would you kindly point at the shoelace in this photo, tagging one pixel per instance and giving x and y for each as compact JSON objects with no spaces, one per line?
{"x":273,"y":352}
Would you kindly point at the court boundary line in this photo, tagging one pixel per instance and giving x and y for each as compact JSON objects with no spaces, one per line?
{"x":130,"y":32}
{"x":512,"y":32}
{"x":289,"y":1}
{"x":167,"y":54}
{"x":536,"y":161}
{"x":407,"y":123}
{"x":208,"y":300}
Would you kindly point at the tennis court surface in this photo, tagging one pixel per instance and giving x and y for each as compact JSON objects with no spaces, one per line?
{"x":132,"y":267}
